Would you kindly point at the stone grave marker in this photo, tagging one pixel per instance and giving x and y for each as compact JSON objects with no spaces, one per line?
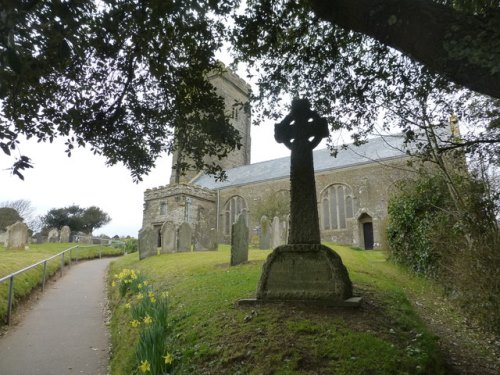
{"x":168,"y":238}
{"x":17,"y":236}
{"x":265,"y":233}
{"x":148,"y":238}
{"x":65,"y":234}
{"x":184,"y":237}
{"x":53,"y":235}
{"x":304,"y":270}
{"x":239,"y":240}
{"x":275,"y":233}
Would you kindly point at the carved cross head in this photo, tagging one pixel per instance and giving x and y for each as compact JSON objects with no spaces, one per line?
{"x":301,"y":126}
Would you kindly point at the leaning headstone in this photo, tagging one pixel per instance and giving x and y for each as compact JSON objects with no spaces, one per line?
{"x":65,"y":233}
{"x":304,"y":270}
{"x":239,"y":240}
{"x":184,"y":237}
{"x":265,"y":233}
{"x":168,"y":239}
{"x":53,"y":235}
{"x":17,"y":236}
{"x":275,"y":233}
{"x":148,"y":238}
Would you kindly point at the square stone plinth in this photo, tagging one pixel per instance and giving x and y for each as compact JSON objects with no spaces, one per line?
{"x":305,"y":272}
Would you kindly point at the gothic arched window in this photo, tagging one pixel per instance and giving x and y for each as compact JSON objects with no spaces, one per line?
{"x":336,"y":206}
{"x":232,"y":209}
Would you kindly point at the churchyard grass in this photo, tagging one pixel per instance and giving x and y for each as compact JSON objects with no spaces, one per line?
{"x":14,"y":260}
{"x":210,"y":335}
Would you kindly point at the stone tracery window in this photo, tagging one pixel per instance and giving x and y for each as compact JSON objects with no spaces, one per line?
{"x":336,"y":206}
{"x":233,"y":207}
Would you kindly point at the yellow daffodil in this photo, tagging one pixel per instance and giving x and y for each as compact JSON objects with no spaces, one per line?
{"x":144,"y":366}
{"x":139,"y":286}
{"x":127,"y":306}
{"x":140,"y":296}
{"x":148,"y":320}
{"x":169,"y":358}
{"x":152,"y":299}
{"x":135,"y":323}
{"x":151,"y":294}
{"x":145,"y":283}
{"x":164,"y":294}
{"x":113,"y":284}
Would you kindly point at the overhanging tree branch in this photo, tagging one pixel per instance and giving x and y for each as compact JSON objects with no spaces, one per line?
{"x":445,"y":40}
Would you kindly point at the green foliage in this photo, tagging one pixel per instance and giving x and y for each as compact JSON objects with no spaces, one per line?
{"x":8,"y":216}
{"x":415,"y":216}
{"x":149,"y":313}
{"x":210,"y":335}
{"x":77,"y":218}
{"x":454,"y":240}
{"x":118,"y":76}
{"x":131,"y":245}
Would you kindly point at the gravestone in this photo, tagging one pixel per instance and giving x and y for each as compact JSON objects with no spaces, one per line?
{"x":84,"y":238}
{"x":17,"y":236}
{"x":287,"y":236}
{"x":304,"y":270}
{"x":275,"y":233}
{"x":239,"y":240}
{"x":65,"y":234}
{"x":148,"y":238}
{"x":53,"y":235}
{"x":168,"y":239}
{"x":265,"y":233}
{"x":184,"y":237}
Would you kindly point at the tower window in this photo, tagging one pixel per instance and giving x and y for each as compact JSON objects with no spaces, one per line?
{"x":163,"y":208}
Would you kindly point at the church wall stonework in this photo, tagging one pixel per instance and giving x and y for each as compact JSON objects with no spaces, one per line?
{"x":369,"y":184}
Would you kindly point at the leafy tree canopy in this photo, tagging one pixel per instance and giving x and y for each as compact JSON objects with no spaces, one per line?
{"x":124,"y":76}
{"x":8,"y":216}
{"x":77,"y":218}
{"x":119,"y":76}
{"x":357,"y":81}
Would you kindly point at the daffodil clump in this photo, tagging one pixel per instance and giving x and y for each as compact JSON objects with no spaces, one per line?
{"x":148,"y":315}
{"x":128,"y":280}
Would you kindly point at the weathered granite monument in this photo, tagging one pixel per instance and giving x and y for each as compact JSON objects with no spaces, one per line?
{"x":304,"y":270}
{"x":239,"y":240}
{"x":53,"y":235}
{"x":184,"y":237}
{"x":147,"y":242}
{"x":65,"y":234}
{"x":275,"y":232}
{"x":265,"y":233}
{"x":168,"y":237}
{"x":17,"y":236}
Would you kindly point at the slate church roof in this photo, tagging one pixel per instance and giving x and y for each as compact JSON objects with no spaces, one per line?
{"x":376,"y":150}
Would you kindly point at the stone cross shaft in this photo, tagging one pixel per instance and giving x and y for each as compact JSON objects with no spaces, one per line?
{"x":301,"y":131}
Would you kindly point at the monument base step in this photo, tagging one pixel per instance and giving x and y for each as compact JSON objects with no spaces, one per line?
{"x":350,"y":302}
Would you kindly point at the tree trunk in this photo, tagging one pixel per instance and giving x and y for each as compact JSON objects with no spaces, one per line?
{"x":423,"y":30}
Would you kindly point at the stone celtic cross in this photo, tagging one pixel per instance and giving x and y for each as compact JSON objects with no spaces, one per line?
{"x":301,"y":131}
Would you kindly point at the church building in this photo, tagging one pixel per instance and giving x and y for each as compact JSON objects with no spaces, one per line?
{"x":352,"y":188}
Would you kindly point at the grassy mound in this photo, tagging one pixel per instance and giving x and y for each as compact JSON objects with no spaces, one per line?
{"x":208,"y":334}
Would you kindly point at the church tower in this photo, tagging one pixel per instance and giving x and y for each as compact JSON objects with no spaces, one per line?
{"x":234,"y":90}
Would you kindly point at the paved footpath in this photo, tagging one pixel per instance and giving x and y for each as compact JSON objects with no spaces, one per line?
{"x":64,"y":332}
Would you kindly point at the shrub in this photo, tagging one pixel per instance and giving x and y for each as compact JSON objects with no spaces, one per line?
{"x":131,"y":245}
